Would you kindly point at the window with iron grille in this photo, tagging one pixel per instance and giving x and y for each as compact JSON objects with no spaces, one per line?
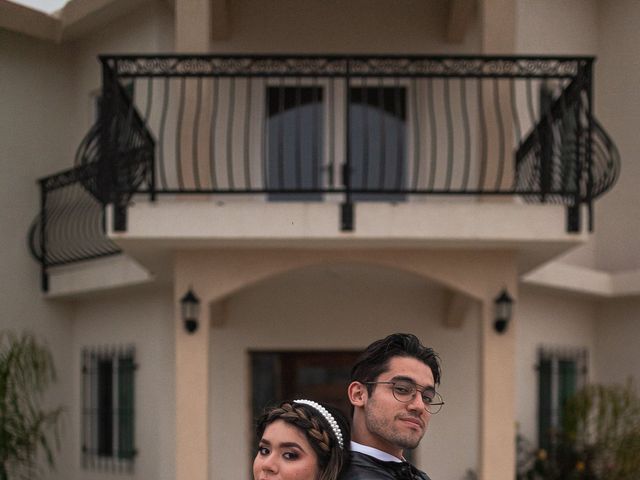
{"x":561,"y":372}
{"x":108,"y":419}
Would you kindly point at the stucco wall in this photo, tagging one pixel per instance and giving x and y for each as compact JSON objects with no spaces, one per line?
{"x":34,"y":93}
{"x":606,"y":29}
{"x":618,"y":104}
{"x":551,"y":320}
{"x":142,"y":318}
{"x":616,"y":341}
{"x":290,"y":26}
{"x":148,"y":29}
{"x":568,"y":27}
{"x":343,"y":307}
{"x":45,"y":111}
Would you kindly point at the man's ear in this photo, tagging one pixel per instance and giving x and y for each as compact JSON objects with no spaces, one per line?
{"x":357,"y":393}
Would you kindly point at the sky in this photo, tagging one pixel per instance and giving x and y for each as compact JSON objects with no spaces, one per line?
{"x":48,"y":6}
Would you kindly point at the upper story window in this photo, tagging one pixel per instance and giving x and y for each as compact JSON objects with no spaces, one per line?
{"x":294,"y":138}
{"x":377,"y":130}
{"x":108,"y":420}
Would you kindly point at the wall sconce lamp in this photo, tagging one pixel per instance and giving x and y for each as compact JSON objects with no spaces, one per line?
{"x":504,"y":306}
{"x":190,"y":308}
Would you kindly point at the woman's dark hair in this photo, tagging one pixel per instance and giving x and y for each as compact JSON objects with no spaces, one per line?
{"x":375,"y":359}
{"x":331,"y":457}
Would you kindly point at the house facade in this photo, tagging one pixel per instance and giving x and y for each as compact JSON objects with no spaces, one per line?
{"x":319,"y":175}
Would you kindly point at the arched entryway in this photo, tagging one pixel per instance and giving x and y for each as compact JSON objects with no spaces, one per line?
{"x":281,"y":301}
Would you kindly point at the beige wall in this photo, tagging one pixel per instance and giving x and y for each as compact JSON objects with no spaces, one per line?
{"x":607,"y":29}
{"x":363,"y":26}
{"x":617,"y":334}
{"x":342,"y":307}
{"x":149,"y":29}
{"x":618,"y":107}
{"x":142,"y":318}
{"x":46,"y":110}
{"x":547,"y":319}
{"x":557,"y":27}
{"x":566,"y":27}
{"x":34,"y":142}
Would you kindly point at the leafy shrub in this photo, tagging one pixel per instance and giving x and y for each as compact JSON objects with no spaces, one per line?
{"x":26,"y":370}
{"x":600,"y":439}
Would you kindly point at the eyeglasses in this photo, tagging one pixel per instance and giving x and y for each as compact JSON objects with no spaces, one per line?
{"x":405,"y":392}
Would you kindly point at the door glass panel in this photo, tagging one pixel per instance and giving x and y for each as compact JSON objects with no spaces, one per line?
{"x":294,"y":142}
{"x":377,"y":135}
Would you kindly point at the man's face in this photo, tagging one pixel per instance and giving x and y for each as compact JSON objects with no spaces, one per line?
{"x":391,"y":424}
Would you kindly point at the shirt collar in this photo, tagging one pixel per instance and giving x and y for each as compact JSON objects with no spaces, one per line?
{"x":374,"y":452}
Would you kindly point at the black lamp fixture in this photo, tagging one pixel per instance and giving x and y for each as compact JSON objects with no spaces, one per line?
{"x":504,"y":306}
{"x":190,"y":307}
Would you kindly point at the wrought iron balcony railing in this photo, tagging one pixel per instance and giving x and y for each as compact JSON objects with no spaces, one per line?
{"x":306,"y":128}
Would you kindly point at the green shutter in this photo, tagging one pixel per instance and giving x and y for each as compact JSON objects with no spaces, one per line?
{"x":544,"y":403}
{"x":125,"y":407}
{"x":567,"y":384}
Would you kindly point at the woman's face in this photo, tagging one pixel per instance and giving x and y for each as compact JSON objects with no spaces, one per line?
{"x":284,"y":453}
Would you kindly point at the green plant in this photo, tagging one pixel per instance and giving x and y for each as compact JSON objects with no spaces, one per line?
{"x":604,"y":421}
{"x":26,"y":428}
{"x":599,"y":440}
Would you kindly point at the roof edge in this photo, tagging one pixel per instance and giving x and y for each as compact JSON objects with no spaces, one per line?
{"x":34,"y":23}
{"x":76,"y":19}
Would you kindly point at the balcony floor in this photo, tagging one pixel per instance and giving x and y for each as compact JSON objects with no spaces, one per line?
{"x":537,"y":233}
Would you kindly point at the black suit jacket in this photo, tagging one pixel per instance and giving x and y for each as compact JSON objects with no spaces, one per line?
{"x":365,"y":467}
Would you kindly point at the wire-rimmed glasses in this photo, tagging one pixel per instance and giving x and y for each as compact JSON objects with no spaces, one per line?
{"x":405,"y":392}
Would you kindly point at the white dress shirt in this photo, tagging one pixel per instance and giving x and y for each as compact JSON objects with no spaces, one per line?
{"x":374,"y":452}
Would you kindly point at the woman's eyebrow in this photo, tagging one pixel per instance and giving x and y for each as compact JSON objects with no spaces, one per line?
{"x":291,"y":445}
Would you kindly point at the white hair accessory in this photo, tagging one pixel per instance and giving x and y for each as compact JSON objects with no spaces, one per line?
{"x":328,"y":417}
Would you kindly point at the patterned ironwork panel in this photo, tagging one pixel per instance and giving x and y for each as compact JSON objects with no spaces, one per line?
{"x":108,"y":408}
{"x":304,"y":127}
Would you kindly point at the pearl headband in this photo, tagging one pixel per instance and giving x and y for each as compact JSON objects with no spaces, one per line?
{"x":328,"y":417}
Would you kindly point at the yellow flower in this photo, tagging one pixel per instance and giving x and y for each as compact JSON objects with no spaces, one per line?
{"x":580,"y":466}
{"x":542,"y":454}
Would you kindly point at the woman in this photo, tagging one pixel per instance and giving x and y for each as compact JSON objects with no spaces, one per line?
{"x":301,"y":440}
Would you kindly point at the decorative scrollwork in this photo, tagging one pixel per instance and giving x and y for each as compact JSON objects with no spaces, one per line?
{"x":213,"y":65}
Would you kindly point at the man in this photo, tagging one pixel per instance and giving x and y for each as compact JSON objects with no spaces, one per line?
{"x":392,"y":393}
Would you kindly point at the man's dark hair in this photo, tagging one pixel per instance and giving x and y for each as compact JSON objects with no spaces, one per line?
{"x":375,"y":359}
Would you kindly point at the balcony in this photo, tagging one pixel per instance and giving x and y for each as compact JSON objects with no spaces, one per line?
{"x":331,"y":130}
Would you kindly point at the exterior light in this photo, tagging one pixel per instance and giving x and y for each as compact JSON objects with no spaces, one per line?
{"x":190,"y":308}
{"x":504,"y":306}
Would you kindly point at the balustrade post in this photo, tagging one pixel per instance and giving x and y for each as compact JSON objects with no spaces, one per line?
{"x":105,"y":117}
{"x":573,"y":210}
{"x":108,"y":167}
{"x":43,"y":237}
{"x":588,"y":82}
{"x":346,"y":211}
